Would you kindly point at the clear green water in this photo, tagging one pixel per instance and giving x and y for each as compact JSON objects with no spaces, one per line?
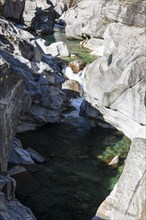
{"x":74,"y":180}
{"x":73,"y":46}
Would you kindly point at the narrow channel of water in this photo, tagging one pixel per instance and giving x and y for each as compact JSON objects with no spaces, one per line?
{"x":73,"y":46}
{"x":73,"y":181}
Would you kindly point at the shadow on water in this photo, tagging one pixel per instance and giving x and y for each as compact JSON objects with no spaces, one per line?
{"x":73,"y":181}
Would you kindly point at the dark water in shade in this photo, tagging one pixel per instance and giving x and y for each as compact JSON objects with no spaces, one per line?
{"x":73,"y":181}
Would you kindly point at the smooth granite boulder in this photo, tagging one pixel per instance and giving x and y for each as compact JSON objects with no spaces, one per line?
{"x":115,"y":83}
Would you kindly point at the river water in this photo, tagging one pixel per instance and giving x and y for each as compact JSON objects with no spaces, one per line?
{"x":73,"y":181}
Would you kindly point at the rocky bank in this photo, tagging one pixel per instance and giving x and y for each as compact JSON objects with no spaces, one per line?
{"x":30,"y":91}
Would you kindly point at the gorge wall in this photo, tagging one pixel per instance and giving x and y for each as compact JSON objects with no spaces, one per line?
{"x":115,"y":85}
{"x":30,"y":90}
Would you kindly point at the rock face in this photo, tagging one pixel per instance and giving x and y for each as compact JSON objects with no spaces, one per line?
{"x":130,"y":204}
{"x":11,"y":96}
{"x":39,"y":15}
{"x":43,"y":101}
{"x":90,"y":18}
{"x":115,"y":85}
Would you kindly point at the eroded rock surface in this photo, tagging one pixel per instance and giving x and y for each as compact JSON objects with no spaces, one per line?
{"x":91,"y":18}
{"x":43,"y":101}
{"x":11,"y":96}
{"x":38,"y":15}
{"x":130,"y":188}
{"x":115,"y":84}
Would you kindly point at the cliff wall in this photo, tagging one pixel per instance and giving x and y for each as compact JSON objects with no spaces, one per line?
{"x":115,"y":85}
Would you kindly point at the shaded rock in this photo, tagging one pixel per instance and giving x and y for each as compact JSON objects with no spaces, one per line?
{"x":95,"y":117}
{"x":39,"y":71}
{"x":38,"y":15}
{"x":16,"y":211}
{"x":12,"y":9}
{"x":16,"y":169}
{"x":8,"y":186}
{"x":11,"y":95}
{"x":22,"y":178}
{"x":3,"y":206}
{"x":96,"y":218}
{"x":35,"y":155}
{"x":77,"y":65}
{"x":19,"y":155}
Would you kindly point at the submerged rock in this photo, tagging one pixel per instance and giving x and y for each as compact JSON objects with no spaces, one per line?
{"x":114,"y":161}
{"x":35,"y":155}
